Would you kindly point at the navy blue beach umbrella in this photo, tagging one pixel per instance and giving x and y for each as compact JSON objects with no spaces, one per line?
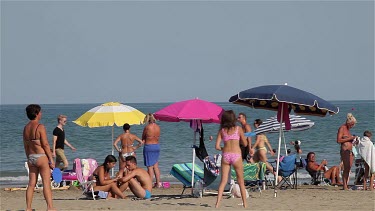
{"x":271,"y":96}
{"x":283,"y":99}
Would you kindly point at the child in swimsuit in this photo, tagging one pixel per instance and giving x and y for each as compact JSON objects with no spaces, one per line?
{"x":231,"y":135}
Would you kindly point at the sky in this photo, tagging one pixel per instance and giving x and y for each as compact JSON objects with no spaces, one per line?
{"x":63,"y":52}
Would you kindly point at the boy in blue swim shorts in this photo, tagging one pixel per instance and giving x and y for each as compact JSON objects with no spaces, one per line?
{"x":137,"y":179}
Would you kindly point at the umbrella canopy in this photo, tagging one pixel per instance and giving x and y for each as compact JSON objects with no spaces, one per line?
{"x":194,"y":111}
{"x":270,"y":97}
{"x":109,"y":114}
{"x":189,"y":110}
{"x":283,"y":99}
{"x":271,"y":125}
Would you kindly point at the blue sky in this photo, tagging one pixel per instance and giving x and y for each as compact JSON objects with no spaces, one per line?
{"x":151,"y":51}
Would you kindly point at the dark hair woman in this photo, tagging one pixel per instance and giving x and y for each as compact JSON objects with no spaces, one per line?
{"x":38,"y":155}
{"x":103,"y":179}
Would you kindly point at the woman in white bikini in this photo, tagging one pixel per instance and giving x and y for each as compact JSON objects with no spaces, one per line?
{"x":38,"y":154}
{"x":127,"y":146}
{"x":232,"y":136}
{"x":260,"y":147}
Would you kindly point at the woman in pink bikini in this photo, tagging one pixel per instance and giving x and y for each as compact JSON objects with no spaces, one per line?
{"x":231,"y":136}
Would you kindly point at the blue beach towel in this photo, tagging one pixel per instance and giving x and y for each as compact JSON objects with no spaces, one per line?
{"x":151,"y":154}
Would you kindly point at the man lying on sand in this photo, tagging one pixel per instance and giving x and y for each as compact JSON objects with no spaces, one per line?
{"x":137,"y":179}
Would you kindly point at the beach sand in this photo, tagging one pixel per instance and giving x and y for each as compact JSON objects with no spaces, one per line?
{"x":304,"y":198}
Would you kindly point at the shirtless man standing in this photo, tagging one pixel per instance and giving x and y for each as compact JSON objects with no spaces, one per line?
{"x":245,"y":151}
{"x":138,"y":180}
{"x":345,"y":138}
{"x":151,"y":149}
{"x":127,"y":146}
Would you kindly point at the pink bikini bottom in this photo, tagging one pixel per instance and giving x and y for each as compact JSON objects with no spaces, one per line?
{"x":231,"y":158}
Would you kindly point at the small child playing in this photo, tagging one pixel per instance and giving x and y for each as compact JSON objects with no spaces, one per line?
{"x":367,"y":151}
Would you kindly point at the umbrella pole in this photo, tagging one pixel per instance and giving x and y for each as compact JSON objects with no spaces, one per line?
{"x":113,"y":170}
{"x":286,"y":152}
{"x":192,"y":172}
{"x":278,"y":150}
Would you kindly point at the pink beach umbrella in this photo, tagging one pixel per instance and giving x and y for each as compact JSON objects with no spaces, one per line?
{"x":188,"y":110}
{"x":195,"y":111}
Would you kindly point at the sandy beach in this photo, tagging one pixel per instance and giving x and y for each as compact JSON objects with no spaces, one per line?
{"x":305,"y":197}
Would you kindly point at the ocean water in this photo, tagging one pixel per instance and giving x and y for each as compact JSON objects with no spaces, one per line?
{"x":176,"y":138}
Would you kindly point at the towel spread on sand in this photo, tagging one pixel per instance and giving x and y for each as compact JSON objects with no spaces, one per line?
{"x":367,"y":151}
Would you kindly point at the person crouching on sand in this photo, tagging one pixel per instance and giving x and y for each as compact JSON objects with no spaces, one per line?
{"x":231,"y":135}
{"x":137,"y":179}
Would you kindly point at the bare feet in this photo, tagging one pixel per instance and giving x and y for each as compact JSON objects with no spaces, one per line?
{"x":158,"y":185}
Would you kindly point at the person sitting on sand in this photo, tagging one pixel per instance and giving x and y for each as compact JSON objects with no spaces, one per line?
{"x":137,"y":179}
{"x":313,"y":167}
{"x":104,"y":181}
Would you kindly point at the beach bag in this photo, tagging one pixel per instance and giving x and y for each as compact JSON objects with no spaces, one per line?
{"x":236,"y":191}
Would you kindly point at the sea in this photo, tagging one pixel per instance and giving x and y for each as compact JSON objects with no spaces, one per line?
{"x":176,"y":139}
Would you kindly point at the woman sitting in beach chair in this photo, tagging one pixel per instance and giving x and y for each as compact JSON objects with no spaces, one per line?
{"x":313,"y":168}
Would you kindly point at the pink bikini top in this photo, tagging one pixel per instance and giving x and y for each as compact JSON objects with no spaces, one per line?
{"x":234,"y":136}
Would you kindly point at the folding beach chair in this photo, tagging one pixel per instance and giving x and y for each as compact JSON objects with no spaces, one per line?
{"x":317,"y":178}
{"x":254,"y":176}
{"x":288,"y":172}
{"x":69,"y":177}
{"x":183,"y":172}
{"x":84,"y":170}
